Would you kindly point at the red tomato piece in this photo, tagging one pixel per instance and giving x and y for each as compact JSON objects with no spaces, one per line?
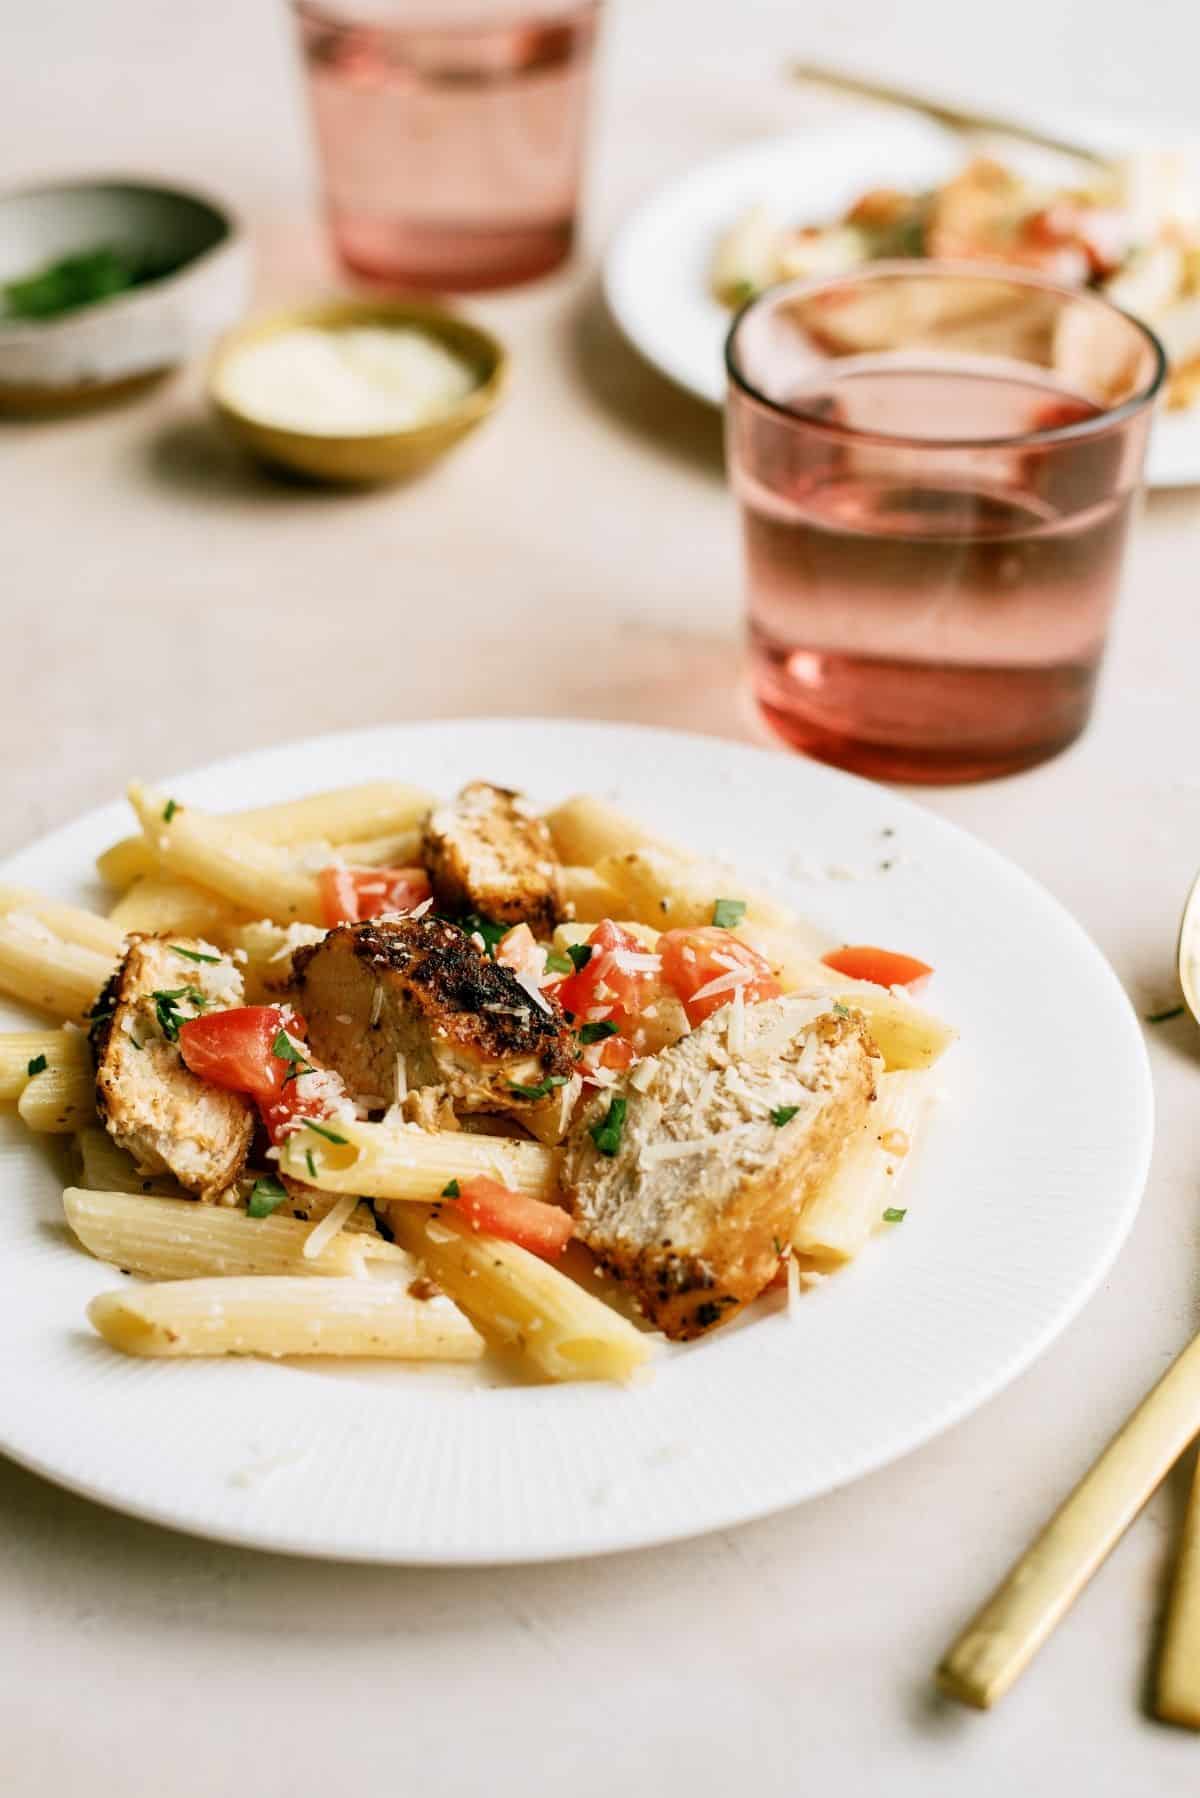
{"x":235,"y":1048}
{"x":883,"y":967}
{"x":604,"y":987}
{"x":543,"y":1229}
{"x":695,"y":961}
{"x":350,"y":895}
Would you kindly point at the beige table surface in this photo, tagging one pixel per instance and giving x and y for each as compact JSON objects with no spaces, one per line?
{"x":163,"y":606}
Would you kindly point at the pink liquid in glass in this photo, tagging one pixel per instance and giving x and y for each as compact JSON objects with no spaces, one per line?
{"x":452,"y":141}
{"x":940,"y":621}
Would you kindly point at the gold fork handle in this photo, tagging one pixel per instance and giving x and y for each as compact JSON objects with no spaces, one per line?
{"x":1005,"y":1635}
{"x":956,"y":118}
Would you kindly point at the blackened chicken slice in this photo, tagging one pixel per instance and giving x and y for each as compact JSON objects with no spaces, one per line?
{"x":490,"y":853}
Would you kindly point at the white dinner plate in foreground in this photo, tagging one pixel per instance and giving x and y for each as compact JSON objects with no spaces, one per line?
{"x":1031,"y":1178}
{"x":656,"y":270}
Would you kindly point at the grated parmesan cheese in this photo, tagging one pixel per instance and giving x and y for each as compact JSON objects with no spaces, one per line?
{"x":323,"y":1233}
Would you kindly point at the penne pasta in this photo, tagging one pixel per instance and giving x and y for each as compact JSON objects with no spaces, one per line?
{"x":587,"y":897}
{"x":181,"y":1239}
{"x":400,"y":849}
{"x":868,"y":1180}
{"x":43,"y":971}
{"x":585,"y":829}
{"x":268,"y":949}
{"x":66,"y":923}
{"x":103,"y":1167}
{"x":260,"y":877}
{"x":162,"y":902}
{"x":18,"y":1048}
{"x":402,"y":1161}
{"x":279,"y":1315}
{"x":566,"y":1332}
{"x":668,"y":889}
{"x":380,"y":810}
{"x":59,"y":1100}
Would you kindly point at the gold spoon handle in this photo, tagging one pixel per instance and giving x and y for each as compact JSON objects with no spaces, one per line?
{"x":956,"y":118}
{"x":1005,"y":1635}
{"x":1178,"y":1696}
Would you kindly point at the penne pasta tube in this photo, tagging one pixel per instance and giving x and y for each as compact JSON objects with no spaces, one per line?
{"x":585,"y":829}
{"x":666,"y":888}
{"x":43,"y":971}
{"x":399,"y":849}
{"x":20,"y":1048}
{"x":284,"y":1315}
{"x":162,"y":902}
{"x":588,"y":897}
{"x":746,"y":257}
{"x":181,"y":1239}
{"x":103,"y":1167}
{"x":260,"y":877}
{"x":268,"y":949}
{"x":59,"y":1100}
{"x":402,"y":1161}
{"x":382,"y":811}
{"x":867,"y":1183}
{"x":69,"y":923}
{"x":566,"y":1332}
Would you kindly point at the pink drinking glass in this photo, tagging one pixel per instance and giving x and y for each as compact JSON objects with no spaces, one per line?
{"x":451,"y":134}
{"x":936,"y":466}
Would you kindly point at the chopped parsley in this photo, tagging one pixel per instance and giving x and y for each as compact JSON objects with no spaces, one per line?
{"x":167,"y":1010}
{"x":265,"y":1195}
{"x":37,"y":1066}
{"x":728,"y":912}
{"x":783,"y":1114}
{"x":475,"y":924}
{"x":284,"y":1049}
{"x":541,"y":1091}
{"x":451,"y":1190}
{"x":80,"y":279}
{"x":169,"y":811}
{"x":323,"y":1130}
{"x":840,"y":1011}
{"x":596,"y":1033}
{"x":1163,"y":1017}
{"x":895,"y":1214}
{"x":606,"y":1132}
{"x":194,"y":954}
{"x":580,"y":954}
{"x":558,"y":964}
{"x":312,"y":1166}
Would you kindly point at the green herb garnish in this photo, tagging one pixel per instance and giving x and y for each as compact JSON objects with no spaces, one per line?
{"x":894,"y":1214}
{"x":78,"y":280}
{"x":194,"y":955}
{"x":450,"y":1190}
{"x":606,"y":1132}
{"x":783,"y":1114}
{"x":1163,"y":1017}
{"x":284,"y":1049}
{"x":596,"y":1033}
{"x":839,"y":1010}
{"x":728,"y":912}
{"x":167,"y":1010}
{"x":580,"y":954}
{"x":37,"y":1066}
{"x":312,"y":1166}
{"x":265,"y":1195}
{"x":558,"y":964}
{"x":541,"y":1091}
{"x":475,"y":924}
{"x":329,"y":1135}
{"x":169,"y":811}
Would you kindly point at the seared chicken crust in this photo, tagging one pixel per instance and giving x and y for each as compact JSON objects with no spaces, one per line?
{"x":490,"y":853}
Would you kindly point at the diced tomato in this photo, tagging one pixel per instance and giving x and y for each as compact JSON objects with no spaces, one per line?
{"x":234,"y":1048}
{"x":543,"y":1229}
{"x":883,"y":967}
{"x":603,"y":987}
{"x":617,"y":1052}
{"x":278,"y":1115}
{"x":693,"y":960}
{"x":349,"y":895}
{"x":520,"y":950}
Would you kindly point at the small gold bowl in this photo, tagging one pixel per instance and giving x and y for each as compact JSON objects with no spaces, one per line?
{"x":367,"y":456}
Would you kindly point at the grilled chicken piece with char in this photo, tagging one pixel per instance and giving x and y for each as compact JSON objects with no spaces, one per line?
{"x":413,"y":1005}
{"x":490,"y":853}
{"x":725,"y":1137}
{"x":166,"y":1118}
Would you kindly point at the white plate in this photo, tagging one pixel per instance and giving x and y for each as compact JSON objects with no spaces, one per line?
{"x":656,"y":270}
{"x":1030,"y":1182}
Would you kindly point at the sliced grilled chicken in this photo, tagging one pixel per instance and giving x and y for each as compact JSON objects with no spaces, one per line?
{"x":398,"y":1007}
{"x":167,"y":1119}
{"x":725,"y":1135}
{"x":490,"y":853}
